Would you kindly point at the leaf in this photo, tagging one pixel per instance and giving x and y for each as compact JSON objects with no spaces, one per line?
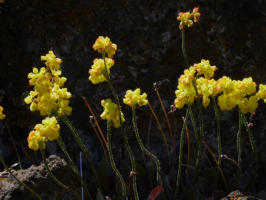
{"x":155,"y":192}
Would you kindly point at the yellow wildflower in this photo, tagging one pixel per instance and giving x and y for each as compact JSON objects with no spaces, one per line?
{"x":185,"y":18}
{"x":111,"y":112}
{"x":205,"y":68}
{"x":205,"y":89}
{"x":36,"y":141}
{"x":98,"y":71}
{"x":248,"y":104}
{"x":104,"y":45}
{"x":261,"y":94}
{"x":48,"y":94}
{"x":134,"y":97}
{"x":2,"y":115}
{"x":51,"y":61}
{"x":49,"y":128}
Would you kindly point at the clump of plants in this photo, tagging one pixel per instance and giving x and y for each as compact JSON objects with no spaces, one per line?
{"x":196,"y":86}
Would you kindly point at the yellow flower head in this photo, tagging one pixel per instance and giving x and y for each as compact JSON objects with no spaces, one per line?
{"x":111,"y":112}
{"x":248,"y":105}
{"x":48,"y":94}
{"x":206,"y":88}
{"x":97,"y":71}
{"x":195,"y":14}
{"x":104,"y":45}
{"x":205,"y":68}
{"x":261,"y":94}
{"x":2,"y":115}
{"x":49,"y":128}
{"x":185,"y":18}
{"x":134,"y":97}
{"x":51,"y":61}
{"x":36,"y":141}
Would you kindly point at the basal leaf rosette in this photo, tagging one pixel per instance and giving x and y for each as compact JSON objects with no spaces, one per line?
{"x":49,"y":96}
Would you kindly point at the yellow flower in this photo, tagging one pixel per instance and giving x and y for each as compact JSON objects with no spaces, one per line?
{"x":111,"y":112}
{"x":98,"y":71}
{"x":51,"y":61}
{"x":48,"y":94}
{"x":134,"y":97}
{"x":205,"y":68}
{"x":185,"y":18}
{"x":261,"y":94}
{"x":49,"y":128}
{"x":205,"y":89}
{"x":227,"y":101}
{"x":104,"y":45}
{"x":2,"y":115}
{"x":248,"y":104}
{"x":36,"y":141}
{"x":195,"y":14}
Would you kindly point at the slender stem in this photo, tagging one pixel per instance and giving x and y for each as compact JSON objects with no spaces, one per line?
{"x":54,"y":178}
{"x":181,"y":142}
{"x":144,"y":149}
{"x":165,"y":115}
{"x":239,"y":135}
{"x":117,"y":173}
{"x":20,"y":182}
{"x":82,"y":146}
{"x":251,"y":139}
{"x":219,"y":139}
{"x":72,"y":165}
{"x":160,"y":128}
{"x":81,"y":174}
{"x":198,"y":142}
{"x":184,"y":47}
{"x":129,"y":150}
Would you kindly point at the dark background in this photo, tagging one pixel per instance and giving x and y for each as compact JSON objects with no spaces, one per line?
{"x":231,"y":34}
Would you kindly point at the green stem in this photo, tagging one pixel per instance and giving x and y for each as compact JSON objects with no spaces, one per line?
{"x":19,"y":182}
{"x":218,"y":131}
{"x":123,"y":185}
{"x":251,"y":139}
{"x":239,"y":135}
{"x":181,"y":142}
{"x":73,"y":166}
{"x":184,"y":47}
{"x":144,"y":149}
{"x":82,"y":146}
{"x":54,"y":178}
{"x":129,"y":150}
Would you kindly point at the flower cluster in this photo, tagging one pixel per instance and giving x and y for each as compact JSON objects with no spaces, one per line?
{"x":231,"y":93}
{"x":2,"y":115}
{"x":48,"y":130}
{"x":111,"y":112}
{"x":48,"y":95}
{"x":134,"y":97}
{"x":187,"y":18}
{"x":100,"y":69}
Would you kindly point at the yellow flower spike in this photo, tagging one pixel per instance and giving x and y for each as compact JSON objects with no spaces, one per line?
{"x":134,"y":97}
{"x":51,"y":61}
{"x":97,"y":71}
{"x":111,"y":112}
{"x":2,"y":115}
{"x":49,"y":128}
{"x":185,"y":18}
{"x":104,"y":45}
{"x":205,"y":68}
{"x":261,"y":94}
{"x":36,"y":141}
{"x":248,"y":105}
{"x":195,"y":14}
